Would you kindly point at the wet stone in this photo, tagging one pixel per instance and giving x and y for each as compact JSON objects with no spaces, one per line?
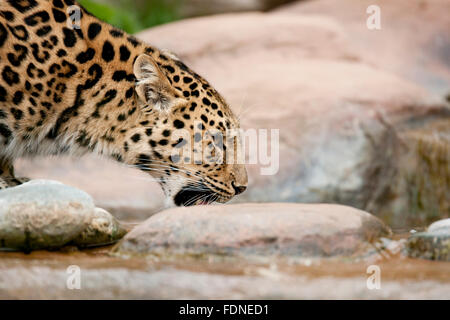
{"x":44,"y":214}
{"x":103,"y":229}
{"x":434,"y":244}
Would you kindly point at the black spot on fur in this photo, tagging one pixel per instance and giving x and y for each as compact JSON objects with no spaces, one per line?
{"x":129,"y":93}
{"x":20,"y":32}
{"x":38,"y":17}
{"x":133,"y":41}
{"x":136,"y":137}
{"x":5,"y":131}
{"x":119,"y":75}
{"x":10,"y":76}
{"x":3,"y":94}
{"x":61,"y":53}
{"x":133,"y":110}
{"x":18,"y":97}
{"x":8,"y":15}
{"x":206,"y":101}
{"x":43,"y":31}
{"x":58,"y":4}
{"x":3,"y":35}
{"x":93,"y":30}
{"x":72,"y":69}
{"x":17,"y":114}
{"x":169,"y":68}
{"x":59,"y":16}
{"x":23,"y":5}
{"x":116,"y":33}
{"x":54,"y":40}
{"x":178,"y":124}
{"x":16,"y":60}
{"x":41,"y":58}
{"x":69,"y":37}
{"x":124,"y":53}
{"x":108,"y":51}
{"x":86,"y":56}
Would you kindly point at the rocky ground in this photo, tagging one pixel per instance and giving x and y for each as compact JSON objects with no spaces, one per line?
{"x":239,"y":251}
{"x":364,"y":123}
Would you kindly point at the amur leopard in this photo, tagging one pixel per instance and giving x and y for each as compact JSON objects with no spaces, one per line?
{"x":92,"y":88}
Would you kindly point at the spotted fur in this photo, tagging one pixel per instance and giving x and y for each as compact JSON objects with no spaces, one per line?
{"x":97,"y":89}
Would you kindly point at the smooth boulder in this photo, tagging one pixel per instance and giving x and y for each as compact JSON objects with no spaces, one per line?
{"x":44,"y":214}
{"x":248,"y":230}
{"x":102,"y":229}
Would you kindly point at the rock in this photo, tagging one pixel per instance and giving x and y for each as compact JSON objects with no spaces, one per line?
{"x":43,"y":214}
{"x":439,"y":225}
{"x":351,"y":132}
{"x":103,"y":229}
{"x":255,"y":34}
{"x":432,"y":245}
{"x":290,"y":230}
{"x":402,"y":31}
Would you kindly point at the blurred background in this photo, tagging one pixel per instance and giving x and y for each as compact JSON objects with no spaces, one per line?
{"x":136,"y":15}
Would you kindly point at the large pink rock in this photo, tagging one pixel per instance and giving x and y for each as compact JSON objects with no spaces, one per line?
{"x":274,"y":229}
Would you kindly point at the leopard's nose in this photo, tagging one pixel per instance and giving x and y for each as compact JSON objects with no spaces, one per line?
{"x":238,"y":189}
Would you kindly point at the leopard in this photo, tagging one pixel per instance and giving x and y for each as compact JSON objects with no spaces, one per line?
{"x":77,"y":87}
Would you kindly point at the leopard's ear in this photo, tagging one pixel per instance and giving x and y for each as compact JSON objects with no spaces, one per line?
{"x":152,"y":87}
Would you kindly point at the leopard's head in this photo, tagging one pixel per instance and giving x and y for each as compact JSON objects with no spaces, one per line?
{"x":190,"y":136}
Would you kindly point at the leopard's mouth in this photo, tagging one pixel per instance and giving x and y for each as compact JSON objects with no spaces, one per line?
{"x":191,"y":195}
